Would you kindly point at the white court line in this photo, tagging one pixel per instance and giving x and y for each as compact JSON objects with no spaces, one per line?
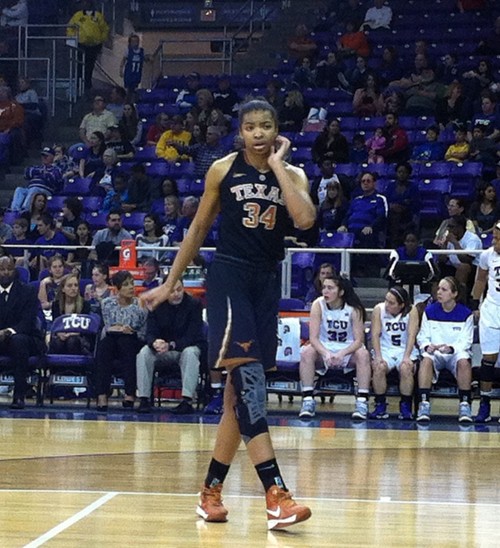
{"x":71,"y":521}
{"x":108,"y":496}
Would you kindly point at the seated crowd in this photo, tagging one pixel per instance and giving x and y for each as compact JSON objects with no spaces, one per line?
{"x":136,"y":171}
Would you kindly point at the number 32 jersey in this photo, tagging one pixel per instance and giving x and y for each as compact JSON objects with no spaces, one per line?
{"x":253,"y":219}
{"x":335,"y":330}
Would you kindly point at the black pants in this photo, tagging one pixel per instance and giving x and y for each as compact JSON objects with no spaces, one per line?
{"x":117,"y":353}
{"x":91,"y":55}
{"x":19,"y":348}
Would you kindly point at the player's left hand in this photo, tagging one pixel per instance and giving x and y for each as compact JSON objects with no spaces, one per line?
{"x":279,"y":150}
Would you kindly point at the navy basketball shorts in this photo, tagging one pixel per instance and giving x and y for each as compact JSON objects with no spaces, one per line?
{"x":242,"y":311}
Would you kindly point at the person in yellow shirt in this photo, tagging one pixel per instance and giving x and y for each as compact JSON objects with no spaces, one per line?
{"x":90,"y":28}
{"x":459,"y":150}
{"x":176,"y":134}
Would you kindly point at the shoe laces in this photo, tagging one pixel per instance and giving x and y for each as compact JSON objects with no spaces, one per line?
{"x":214,"y":494}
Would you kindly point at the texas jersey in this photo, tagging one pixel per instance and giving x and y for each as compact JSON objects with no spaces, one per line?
{"x":253,"y":218}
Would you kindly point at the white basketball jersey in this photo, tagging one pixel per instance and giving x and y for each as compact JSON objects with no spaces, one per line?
{"x":490,"y":260}
{"x":336,"y":326}
{"x":394,"y":334}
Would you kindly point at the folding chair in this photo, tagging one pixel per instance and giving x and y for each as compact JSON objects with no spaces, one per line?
{"x":72,"y":370}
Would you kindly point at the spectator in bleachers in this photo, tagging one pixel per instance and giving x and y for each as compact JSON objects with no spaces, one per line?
{"x":130,"y":125}
{"x":174,"y":337}
{"x":379,"y":16}
{"x":291,"y":116}
{"x":375,"y":143}
{"x":353,"y":42}
{"x":357,"y":77}
{"x":19,"y":336}
{"x":430,"y":151}
{"x":394,"y":327}
{"x":92,"y":31}
{"x":204,"y":106}
{"x":452,"y":108}
{"x":455,"y":206}
{"x":390,"y":68}
{"x":37,"y":208}
{"x":325,"y":270}
{"x":168,"y":187}
{"x":69,"y":301}
{"x":27,"y":97}
{"x":483,"y":148}
{"x":488,"y":118}
{"x":44,"y":178}
{"x":397,"y":147}
{"x":301,"y":44}
{"x":91,"y":160}
{"x":403,"y":199}
{"x":204,"y":154}
{"x":330,"y":72}
{"x":104,"y":177}
{"x":274,"y":96}
{"x":368,"y":100}
{"x":462,"y":267}
{"x":393,"y":101}
{"x":422,"y":100}
{"x":98,"y":119}
{"x":116,"y":141}
{"x":218,"y":118}
{"x":336,"y":340}
{"x":477,"y":80}
{"x":19,"y":237}
{"x":330,"y":143}
{"x":99,"y":289}
{"x":176,"y":135}
{"x":491,"y":43}
{"x":421,"y":74}
{"x":445,"y":338}
{"x":449,"y":70}
{"x":304,"y":75}
{"x":79,"y":258}
{"x":140,"y":189}
{"x":67,"y":166}
{"x":117,"y":98}
{"x":332,"y":208}
{"x":459,"y":150}
{"x":116,"y":194}
{"x":151,"y":236}
{"x":172,"y":216}
{"x":50,"y":284}
{"x":358,"y":153}
{"x":48,"y":236}
{"x":162,"y":123}
{"x":189,"y":208}
{"x":225,"y":97}
{"x":152,"y":276}
{"x":366,"y":218}
{"x":327,"y":175}
{"x":496,"y":181}
{"x":191,"y":119}
{"x":132,"y":64}
{"x":124,"y":329}
{"x":484,"y":212}
{"x":186,"y":98}
{"x":5,"y":229}
{"x":345,"y":10}
{"x":410,"y":250}
{"x":68,"y":223}
{"x":11,"y":122}
{"x":114,"y":233}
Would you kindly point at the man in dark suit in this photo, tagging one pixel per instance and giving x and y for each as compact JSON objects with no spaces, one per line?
{"x":19,"y":336}
{"x":174,"y":335}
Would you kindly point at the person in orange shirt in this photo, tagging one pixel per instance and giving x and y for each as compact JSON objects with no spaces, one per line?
{"x":353,"y":42}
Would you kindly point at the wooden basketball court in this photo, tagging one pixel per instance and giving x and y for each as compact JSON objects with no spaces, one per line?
{"x":73,"y":478}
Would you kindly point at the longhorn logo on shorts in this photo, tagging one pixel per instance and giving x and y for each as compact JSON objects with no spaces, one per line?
{"x":245,"y":345}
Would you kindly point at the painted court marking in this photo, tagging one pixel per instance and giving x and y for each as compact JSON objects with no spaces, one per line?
{"x":71,"y":521}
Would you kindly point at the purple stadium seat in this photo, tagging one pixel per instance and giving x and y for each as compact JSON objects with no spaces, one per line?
{"x":146,"y":154}
{"x":91,"y":203}
{"x":96,"y":220}
{"x":465,"y":170}
{"x":157,"y":169}
{"x":55,"y":203}
{"x":79,"y":186}
{"x":433,"y":194}
{"x":134,"y":220}
{"x":434,"y":170}
{"x":291,"y":304}
{"x":336,"y":239}
{"x":181,"y":169}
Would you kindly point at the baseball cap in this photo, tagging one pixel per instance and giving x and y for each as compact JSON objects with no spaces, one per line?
{"x":47,"y":150}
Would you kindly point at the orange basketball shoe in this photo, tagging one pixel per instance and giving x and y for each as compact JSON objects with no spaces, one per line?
{"x":210,"y":506}
{"x":282,"y":510}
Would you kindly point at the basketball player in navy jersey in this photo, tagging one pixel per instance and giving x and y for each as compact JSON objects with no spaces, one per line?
{"x":256,"y":193}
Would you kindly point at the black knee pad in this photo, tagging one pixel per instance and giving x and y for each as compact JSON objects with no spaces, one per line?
{"x":487,"y":371}
{"x":249,"y":384}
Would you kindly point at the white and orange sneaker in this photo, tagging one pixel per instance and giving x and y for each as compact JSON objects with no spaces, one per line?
{"x":210,"y":506}
{"x":282,"y":510}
